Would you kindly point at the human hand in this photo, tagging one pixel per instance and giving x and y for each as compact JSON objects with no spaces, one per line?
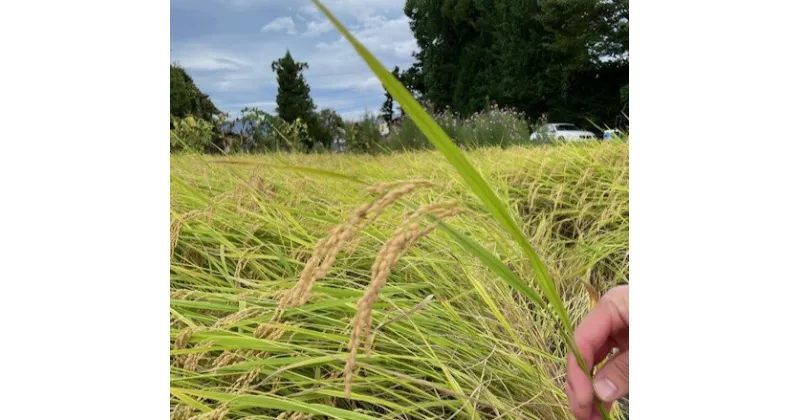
{"x":604,"y":328}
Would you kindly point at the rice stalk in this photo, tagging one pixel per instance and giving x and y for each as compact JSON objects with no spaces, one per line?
{"x":394,"y":248}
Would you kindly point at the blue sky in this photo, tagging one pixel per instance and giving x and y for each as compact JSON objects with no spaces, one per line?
{"x":227,"y":46}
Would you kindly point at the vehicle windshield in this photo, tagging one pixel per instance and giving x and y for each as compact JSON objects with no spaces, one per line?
{"x":567,"y":127}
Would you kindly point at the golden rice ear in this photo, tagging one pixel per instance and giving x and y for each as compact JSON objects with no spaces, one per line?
{"x":592,"y":292}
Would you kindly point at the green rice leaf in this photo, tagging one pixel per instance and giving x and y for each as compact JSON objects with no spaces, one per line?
{"x":474,"y":180}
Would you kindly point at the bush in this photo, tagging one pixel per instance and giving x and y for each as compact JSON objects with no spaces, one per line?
{"x":364,"y":136}
{"x":297,"y":136}
{"x":255,"y":127}
{"x":406,"y":136}
{"x":190,"y":134}
{"x":264,"y":133}
{"x":494,"y":127}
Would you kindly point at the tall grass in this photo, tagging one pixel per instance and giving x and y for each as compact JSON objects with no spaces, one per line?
{"x":491,"y":127}
{"x":243,"y":232}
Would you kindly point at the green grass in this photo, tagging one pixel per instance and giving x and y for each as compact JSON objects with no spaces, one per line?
{"x":242,"y":229}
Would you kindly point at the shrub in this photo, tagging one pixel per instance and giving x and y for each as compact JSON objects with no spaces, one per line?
{"x":406,"y":136}
{"x":494,"y":127}
{"x":255,"y":127}
{"x":190,"y":134}
{"x":364,"y":136}
{"x":297,"y":136}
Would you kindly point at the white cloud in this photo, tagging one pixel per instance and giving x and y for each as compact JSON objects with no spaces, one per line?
{"x":310,"y":9}
{"x":280,"y":24}
{"x":240,"y":82}
{"x":206,"y":63}
{"x":318,"y":27}
{"x":201,"y":57}
{"x":234,"y":67}
{"x":358,"y":114}
{"x":346,"y":9}
{"x":334,"y":102}
{"x":359,"y":81}
{"x":335,"y":65}
{"x":379,"y":35}
{"x":242,"y":4}
{"x":405,"y":48}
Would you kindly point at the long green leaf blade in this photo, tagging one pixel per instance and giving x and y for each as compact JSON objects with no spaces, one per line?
{"x":456,"y":157}
{"x":475,"y":181}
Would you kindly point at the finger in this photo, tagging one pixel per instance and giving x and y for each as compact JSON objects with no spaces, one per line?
{"x":571,"y":399}
{"x":575,"y":374}
{"x":603,"y":323}
{"x":581,"y":387}
{"x":594,"y":334}
{"x":579,"y":412}
{"x":611,"y":382}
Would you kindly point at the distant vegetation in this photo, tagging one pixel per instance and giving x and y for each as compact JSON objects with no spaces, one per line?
{"x":490,"y":70}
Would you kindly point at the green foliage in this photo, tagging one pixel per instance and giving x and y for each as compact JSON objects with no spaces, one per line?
{"x":294,"y":102}
{"x":364,"y":136}
{"x":294,"y":95}
{"x":407,"y":136}
{"x":185,"y":98}
{"x":332,"y":127}
{"x":493,"y":127}
{"x":412,"y":79}
{"x":287,"y":137}
{"x":297,"y":136}
{"x":256,"y":127}
{"x":387,"y":109}
{"x":534,"y":56}
{"x":398,"y":75}
{"x":623,"y":95}
{"x":225,"y":141}
{"x":319,"y":148}
{"x":190,"y":134}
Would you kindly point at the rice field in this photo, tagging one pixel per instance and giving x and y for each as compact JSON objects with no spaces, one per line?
{"x":324,"y":286}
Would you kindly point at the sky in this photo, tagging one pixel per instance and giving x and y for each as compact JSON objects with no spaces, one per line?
{"x":227,"y":47}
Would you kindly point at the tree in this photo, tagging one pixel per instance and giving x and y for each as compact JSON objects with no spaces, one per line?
{"x":294,"y":95}
{"x":399,"y":76}
{"x":387,"y":109}
{"x":332,"y":126}
{"x":257,"y":130}
{"x":186,"y":99}
{"x":412,"y":79}
{"x":364,"y":136}
{"x":294,"y":99}
{"x":566,"y":58}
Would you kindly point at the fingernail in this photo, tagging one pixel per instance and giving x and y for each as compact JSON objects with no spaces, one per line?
{"x":605,"y":389}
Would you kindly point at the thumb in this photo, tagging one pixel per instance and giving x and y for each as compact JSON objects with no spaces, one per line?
{"x":611,"y":383}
